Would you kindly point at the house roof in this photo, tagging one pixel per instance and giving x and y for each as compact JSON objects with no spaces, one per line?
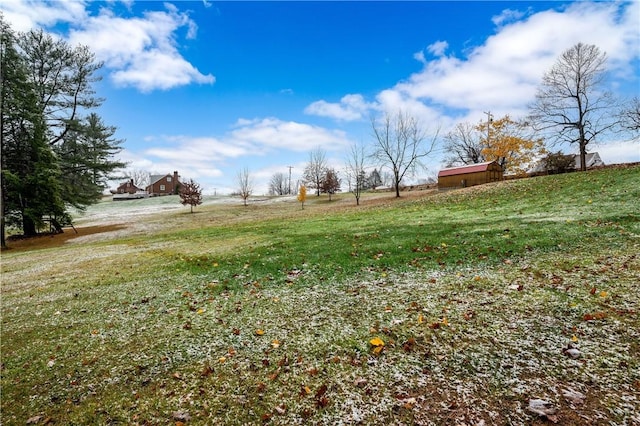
{"x":154,"y":178}
{"x":471,"y":168}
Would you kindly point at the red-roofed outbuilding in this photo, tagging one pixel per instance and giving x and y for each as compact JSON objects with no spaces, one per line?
{"x":470,"y":175}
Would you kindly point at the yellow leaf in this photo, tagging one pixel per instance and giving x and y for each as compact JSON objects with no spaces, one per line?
{"x":215,"y":264}
{"x":378,"y":349}
{"x":574,"y":338}
{"x":200,"y":311}
{"x":275,"y":343}
{"x":420,"y":319}
{"x":603,"y":294}
{"x":222,"y":359}
{"x":259,"y":332}
{"x":376,"y":341}
{"x":444,"y":321}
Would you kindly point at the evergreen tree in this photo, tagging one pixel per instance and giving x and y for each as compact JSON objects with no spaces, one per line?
{"x":29,"y":170}
{"x":52,"y":157}
{"x":86,"y":160}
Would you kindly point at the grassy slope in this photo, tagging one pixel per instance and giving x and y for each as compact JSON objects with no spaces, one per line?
{"x":475,"y":293}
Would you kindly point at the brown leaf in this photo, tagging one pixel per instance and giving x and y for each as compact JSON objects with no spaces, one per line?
{"x":322,"y":402}
{"x":321,"y":391}
{"x":206,"y":371}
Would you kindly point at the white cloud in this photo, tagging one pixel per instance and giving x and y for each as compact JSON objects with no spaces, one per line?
{"x":507,"y":15}
{"x":140,"y":52}
{"x":419,"y":56}
{"x":350,"y":108}
{"x":24,"y":15}
{"x":271,"y":133}
{"x":210,"y":160}
{"x":503,"y":74}
{"x":438,"y":48}
{"x":618,"y":152}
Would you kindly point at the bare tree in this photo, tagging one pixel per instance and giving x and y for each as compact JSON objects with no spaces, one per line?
{"x":400,"y":144}
{"x":630,"y":116}
{"x":190,"y":193}
{"x":278,"y":185}
{"x":140,"y":177}
{"x":354,"y":170}
{"x":570,"y":104}
{"x":245,"y":185}
{"x":463,"y":145}
{"x":315,"y":170}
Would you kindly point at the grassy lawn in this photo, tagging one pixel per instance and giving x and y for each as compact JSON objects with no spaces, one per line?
{"x":438,"y":308}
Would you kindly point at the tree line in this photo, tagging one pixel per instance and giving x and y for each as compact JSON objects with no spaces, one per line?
{"x":56,"y":151}
{"x":572,"y":106}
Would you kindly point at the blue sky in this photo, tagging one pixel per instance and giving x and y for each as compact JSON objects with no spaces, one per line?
{"x":210,"y":88}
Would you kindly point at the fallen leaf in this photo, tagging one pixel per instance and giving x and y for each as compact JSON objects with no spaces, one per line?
{"x":376,"y":341}
{"x":206,"y":371}
{"x":259,"y":332}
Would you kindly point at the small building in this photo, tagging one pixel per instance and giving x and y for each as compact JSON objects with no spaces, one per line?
{"x":470,"y":175}
{"x":127,"y":187}
{"x":128,"y":191}
{"x":163,"y":184}
{"x":592,"y":159}
{"x":571,"y":162}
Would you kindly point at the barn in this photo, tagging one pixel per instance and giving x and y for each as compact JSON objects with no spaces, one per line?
{"x":473,"y":174}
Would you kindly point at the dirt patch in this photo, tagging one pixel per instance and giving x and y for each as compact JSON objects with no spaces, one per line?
{"x":43,"y":241}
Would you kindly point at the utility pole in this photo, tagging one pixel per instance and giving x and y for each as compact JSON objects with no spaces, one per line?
{"x":489,"y":121}
{"x":290,"y":167}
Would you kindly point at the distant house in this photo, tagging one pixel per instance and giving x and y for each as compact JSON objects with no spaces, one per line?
{"x":127,"y":188}
{"x":163,"y":184}
{"x":128,"y":191}
{"x":470,"y":175}
{"x":592,"y":159}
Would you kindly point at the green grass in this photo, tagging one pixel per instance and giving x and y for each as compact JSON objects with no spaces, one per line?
{"x":475,"y":293}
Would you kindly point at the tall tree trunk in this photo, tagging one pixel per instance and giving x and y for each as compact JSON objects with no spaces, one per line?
{"x":28,"y":227}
